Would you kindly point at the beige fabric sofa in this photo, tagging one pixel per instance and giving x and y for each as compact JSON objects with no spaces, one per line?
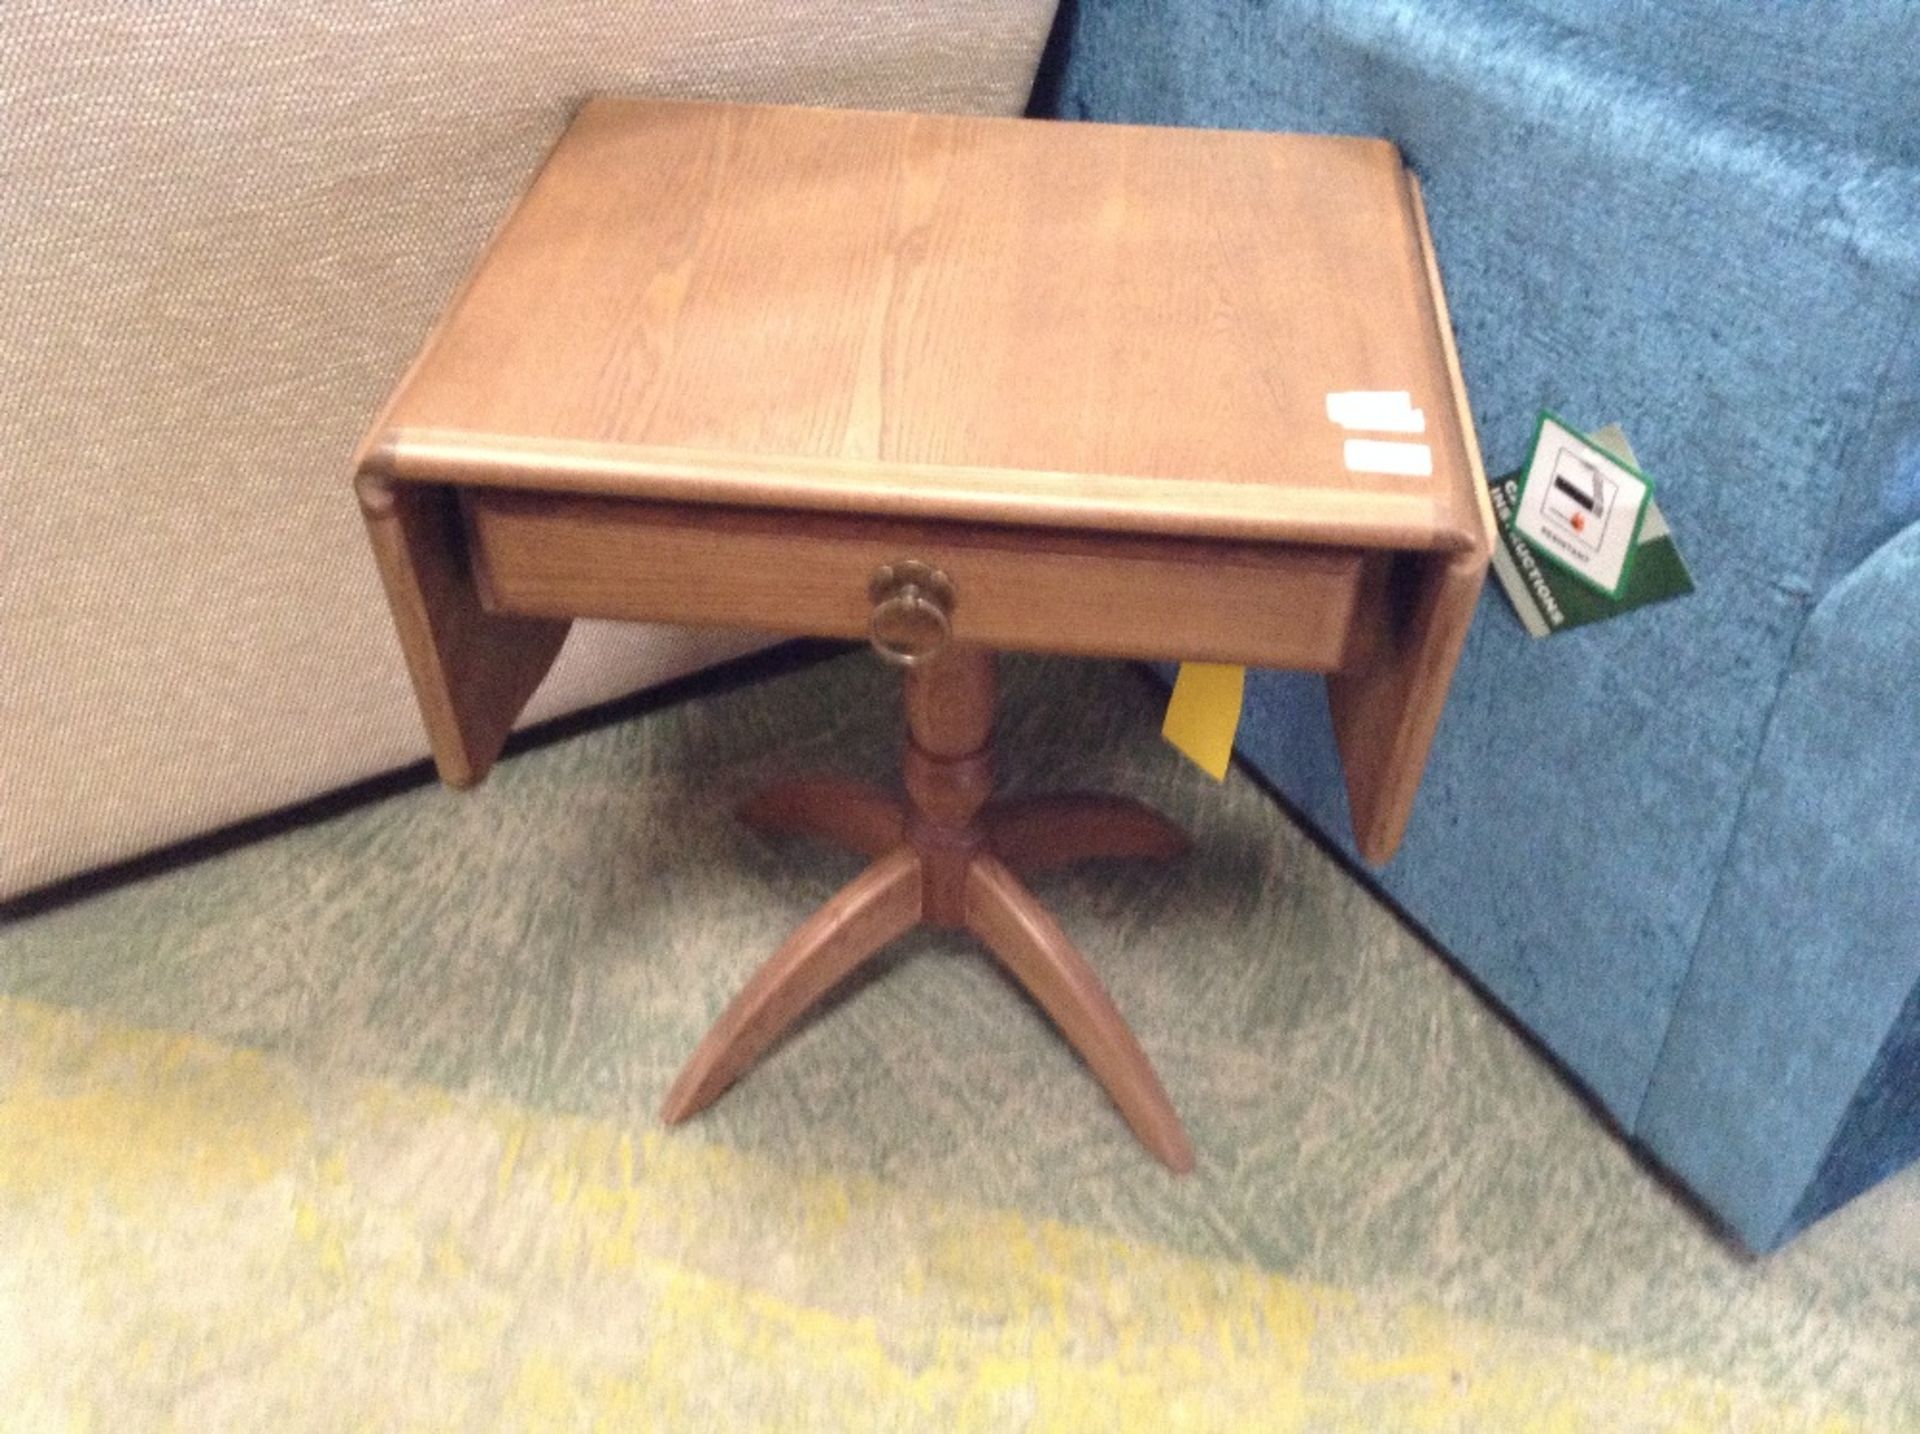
{"x":223,"y":230}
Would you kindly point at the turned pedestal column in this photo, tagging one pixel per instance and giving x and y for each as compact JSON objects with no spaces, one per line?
{"x":948,"y":856}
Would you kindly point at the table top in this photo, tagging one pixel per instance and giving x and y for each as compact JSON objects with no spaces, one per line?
{"x":1006,"y":321}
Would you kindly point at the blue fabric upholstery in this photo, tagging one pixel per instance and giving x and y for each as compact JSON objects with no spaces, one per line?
{"x":1809,"y":959}
{"x":1702,"y":220}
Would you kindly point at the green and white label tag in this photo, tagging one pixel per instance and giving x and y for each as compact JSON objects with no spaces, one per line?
{"x":1581,"y":507}
{"x":1546,"y":597}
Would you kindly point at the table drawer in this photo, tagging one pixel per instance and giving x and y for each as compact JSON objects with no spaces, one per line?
{"x":557,"y":555}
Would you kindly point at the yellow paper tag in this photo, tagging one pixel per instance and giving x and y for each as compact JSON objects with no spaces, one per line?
{"x":1203,"y":715}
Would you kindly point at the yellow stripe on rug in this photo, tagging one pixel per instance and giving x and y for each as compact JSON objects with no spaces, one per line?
{"x":199,"y":1235}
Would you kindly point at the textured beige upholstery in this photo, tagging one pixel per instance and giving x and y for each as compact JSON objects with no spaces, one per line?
{"x":223,"y":230}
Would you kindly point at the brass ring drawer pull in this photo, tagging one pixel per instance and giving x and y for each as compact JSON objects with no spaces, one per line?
{"x":912,"y":616}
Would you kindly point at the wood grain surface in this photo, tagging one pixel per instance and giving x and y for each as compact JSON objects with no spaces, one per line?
{"x":1386,"y":710}
{"x":1058,"y":324}
{"x":472,"y":670}
{"x":723,"y":361}
{"x":546,"y":554}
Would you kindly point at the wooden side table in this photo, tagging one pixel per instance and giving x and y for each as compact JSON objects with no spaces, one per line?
{"x":954,"y":385}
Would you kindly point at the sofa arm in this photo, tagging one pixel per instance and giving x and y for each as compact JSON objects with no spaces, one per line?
{"x":1790,"y":1077}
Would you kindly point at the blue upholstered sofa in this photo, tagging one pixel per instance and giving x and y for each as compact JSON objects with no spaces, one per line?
{"x":1682,"y":847}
